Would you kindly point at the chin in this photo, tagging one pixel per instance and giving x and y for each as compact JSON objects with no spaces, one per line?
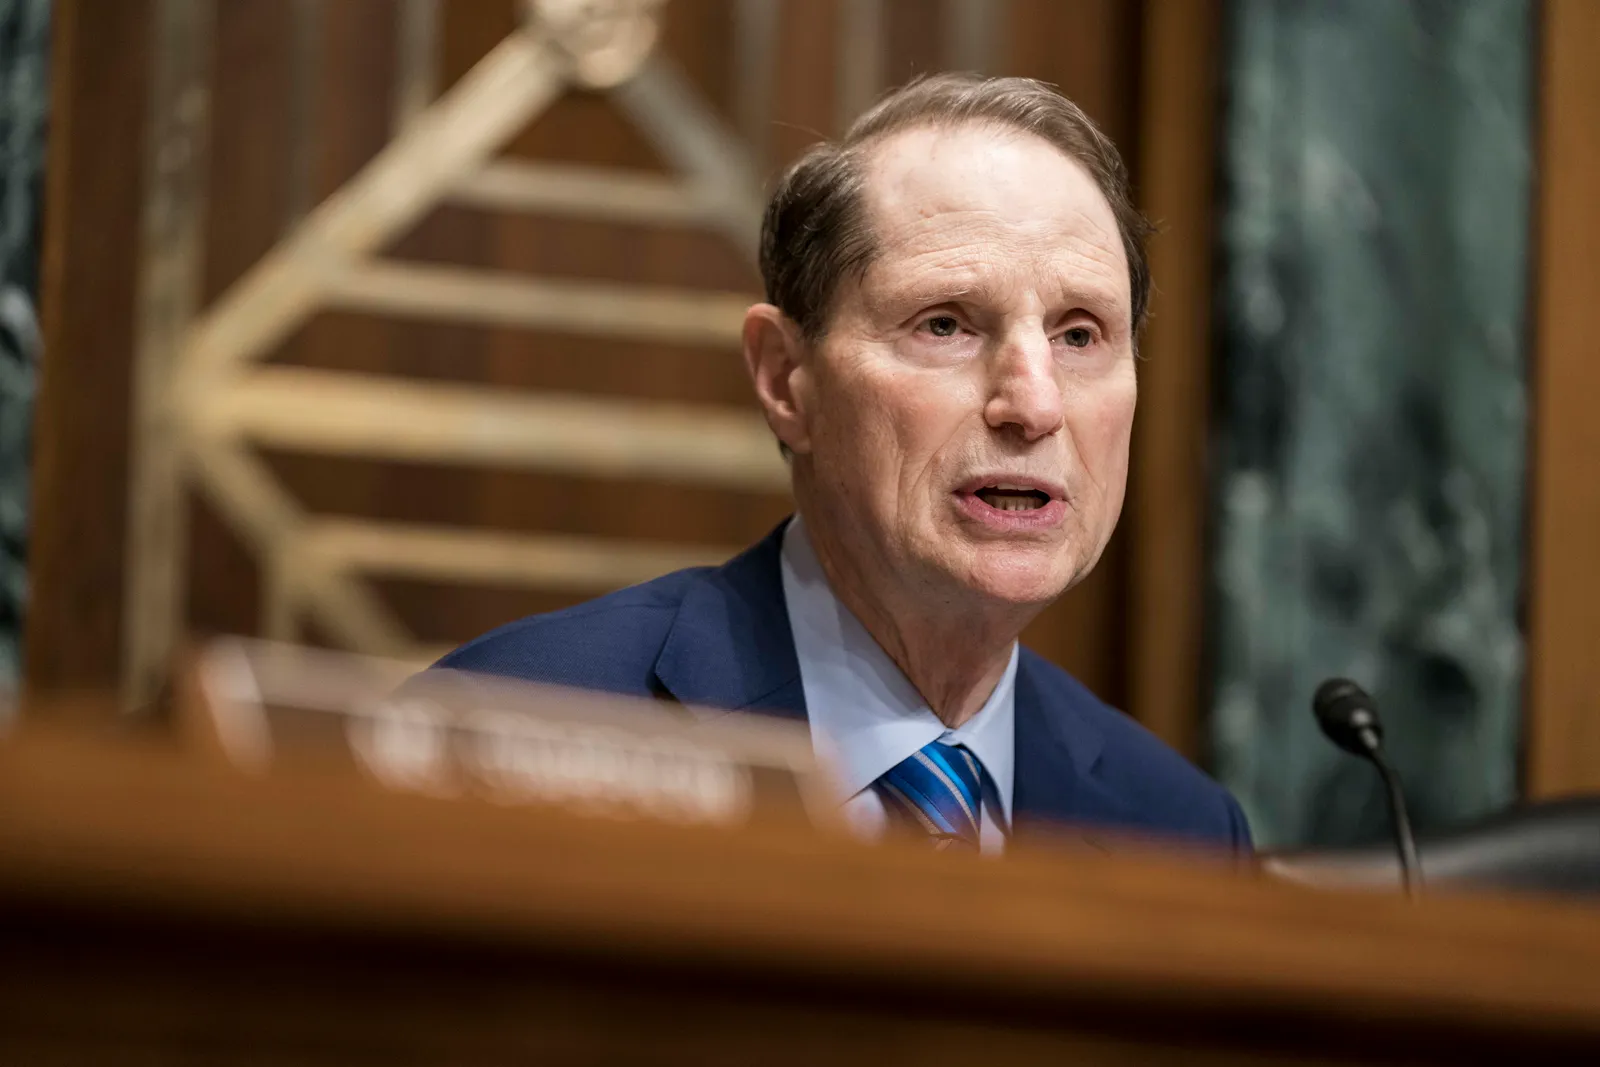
{"x":1025,"y":580}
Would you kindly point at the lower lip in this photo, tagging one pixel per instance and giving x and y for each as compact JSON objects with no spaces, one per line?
{"x":1043,"y":518}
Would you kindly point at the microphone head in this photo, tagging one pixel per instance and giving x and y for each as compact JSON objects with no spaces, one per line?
{"x":1348,"y":717}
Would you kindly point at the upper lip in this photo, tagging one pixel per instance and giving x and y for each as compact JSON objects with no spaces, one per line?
{"x":1015,"y":483}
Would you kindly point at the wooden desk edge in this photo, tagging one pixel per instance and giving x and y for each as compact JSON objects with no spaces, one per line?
{"x":95,"y":825}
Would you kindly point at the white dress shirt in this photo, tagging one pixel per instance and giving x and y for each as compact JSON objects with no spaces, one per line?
{"x":866,"y":716}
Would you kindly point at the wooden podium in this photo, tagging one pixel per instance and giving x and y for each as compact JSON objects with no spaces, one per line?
{"x":159,"y":909}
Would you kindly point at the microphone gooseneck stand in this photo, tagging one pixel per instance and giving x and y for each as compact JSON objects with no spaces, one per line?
{"x":1349,"y":718}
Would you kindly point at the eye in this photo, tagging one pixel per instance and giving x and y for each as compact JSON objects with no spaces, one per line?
{"x":1078,"y":337}
{"x":942,"y":326}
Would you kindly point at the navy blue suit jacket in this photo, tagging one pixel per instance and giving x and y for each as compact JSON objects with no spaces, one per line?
{"x":719,"y":637}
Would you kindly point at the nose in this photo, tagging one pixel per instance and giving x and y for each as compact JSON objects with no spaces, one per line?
{"x":1024,"y":387}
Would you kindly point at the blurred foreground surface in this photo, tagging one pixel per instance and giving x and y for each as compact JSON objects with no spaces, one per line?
{"x":161,"y":904}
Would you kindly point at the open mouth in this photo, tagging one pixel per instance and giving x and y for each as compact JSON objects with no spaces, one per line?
{"x":1012,"y":498}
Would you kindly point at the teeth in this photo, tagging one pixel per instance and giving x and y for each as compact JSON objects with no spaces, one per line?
{"x":1002,"y":500}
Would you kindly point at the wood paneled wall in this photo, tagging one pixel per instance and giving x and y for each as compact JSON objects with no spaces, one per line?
{"x":1563,"y":708}
{"x":298,"y":109}
{"x":1167,"y":518}
{"x":99,"y":66}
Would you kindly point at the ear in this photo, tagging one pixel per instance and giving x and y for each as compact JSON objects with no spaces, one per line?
{"x":773,"y":354}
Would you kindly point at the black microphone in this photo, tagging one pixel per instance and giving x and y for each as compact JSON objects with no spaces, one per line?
{"x":1349,"y":718}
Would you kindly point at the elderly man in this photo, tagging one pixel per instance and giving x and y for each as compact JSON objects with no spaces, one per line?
{"x":946,"y":357}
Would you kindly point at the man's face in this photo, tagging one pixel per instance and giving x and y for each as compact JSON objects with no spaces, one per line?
{"x":967,"y":414}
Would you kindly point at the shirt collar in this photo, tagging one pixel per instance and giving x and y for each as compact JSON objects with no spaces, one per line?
{"x":865,"y":715}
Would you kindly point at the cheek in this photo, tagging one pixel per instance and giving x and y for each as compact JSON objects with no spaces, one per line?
{"x":853,"y":427}
{"x":888,"y":419}
{"x":1104,"y":432}
{"x":927,"y":409}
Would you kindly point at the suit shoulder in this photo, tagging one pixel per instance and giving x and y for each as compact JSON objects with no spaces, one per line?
{"x":608,"y":643}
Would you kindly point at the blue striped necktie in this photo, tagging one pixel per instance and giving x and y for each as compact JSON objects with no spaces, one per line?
{"x":938,"y":790}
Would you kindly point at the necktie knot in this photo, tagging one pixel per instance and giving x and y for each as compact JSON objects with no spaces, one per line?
{"x":938,"y":789}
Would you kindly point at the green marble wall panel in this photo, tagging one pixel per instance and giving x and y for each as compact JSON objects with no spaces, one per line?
{"x":24,"y":102}
{"x":1370,"y":418}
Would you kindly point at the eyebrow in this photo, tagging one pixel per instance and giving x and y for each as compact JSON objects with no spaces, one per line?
{"x":1100,"y":298}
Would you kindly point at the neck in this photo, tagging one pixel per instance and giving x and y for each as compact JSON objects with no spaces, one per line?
{"x":952,"y":650}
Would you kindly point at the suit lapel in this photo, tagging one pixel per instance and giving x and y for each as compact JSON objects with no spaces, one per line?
{"x":1057,"y":752}
{"x":730,"y":645}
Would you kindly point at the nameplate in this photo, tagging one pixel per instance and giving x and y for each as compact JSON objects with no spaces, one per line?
{"x":289,"y":710}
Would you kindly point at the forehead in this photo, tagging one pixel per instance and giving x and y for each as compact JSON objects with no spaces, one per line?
{"x":937,"y":197}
